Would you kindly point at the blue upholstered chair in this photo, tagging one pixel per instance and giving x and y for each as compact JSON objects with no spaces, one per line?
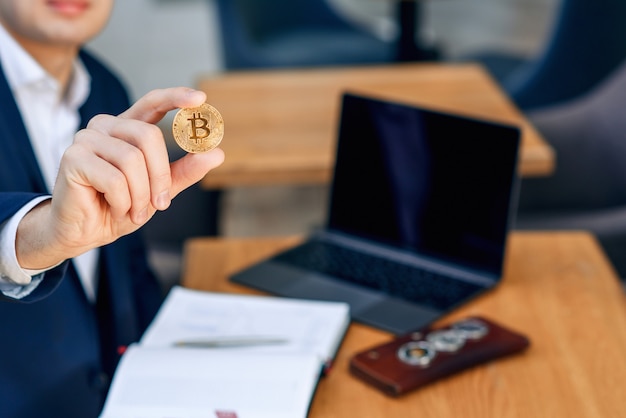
{"x":587,"y":42}
{"x":293,"y":33}
{"x":588,"y":189}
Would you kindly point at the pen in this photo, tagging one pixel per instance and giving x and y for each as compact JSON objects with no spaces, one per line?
{"x":231,"y":342}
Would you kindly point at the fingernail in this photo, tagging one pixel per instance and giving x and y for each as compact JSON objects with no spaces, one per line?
{"x":193,"y":92}
{"x":163,"y":200}
{"x":143,"y":215}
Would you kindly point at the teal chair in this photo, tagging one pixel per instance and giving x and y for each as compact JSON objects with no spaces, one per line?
{"x":294,"y":33}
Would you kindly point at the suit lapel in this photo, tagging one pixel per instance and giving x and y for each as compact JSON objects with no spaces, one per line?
{"x":17,"y":152}
{"x":18,"y":164}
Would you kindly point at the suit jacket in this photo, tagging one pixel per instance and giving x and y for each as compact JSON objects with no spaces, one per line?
{"x":57,"y":350}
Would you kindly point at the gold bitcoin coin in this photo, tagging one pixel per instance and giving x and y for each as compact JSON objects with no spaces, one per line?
{"x":198,"y":129}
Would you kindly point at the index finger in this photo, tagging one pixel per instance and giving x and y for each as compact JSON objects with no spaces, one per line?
{"x":152,"y":107}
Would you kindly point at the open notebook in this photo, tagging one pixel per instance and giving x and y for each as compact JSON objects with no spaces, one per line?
{"x":157,"y":378}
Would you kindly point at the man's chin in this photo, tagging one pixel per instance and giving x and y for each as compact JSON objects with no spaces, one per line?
{"x":72,"y":33}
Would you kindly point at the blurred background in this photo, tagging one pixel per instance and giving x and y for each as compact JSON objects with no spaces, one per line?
{"x":161,"y":43}
{"x":158,"y":43}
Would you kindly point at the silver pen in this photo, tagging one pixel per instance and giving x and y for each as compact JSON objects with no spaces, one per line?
{"x":230,"y":342}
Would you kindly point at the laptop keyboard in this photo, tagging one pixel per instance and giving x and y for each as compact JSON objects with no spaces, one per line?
{"x":397,"y":279}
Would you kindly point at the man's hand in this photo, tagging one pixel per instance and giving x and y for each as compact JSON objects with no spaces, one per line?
{"x":111,"y":181}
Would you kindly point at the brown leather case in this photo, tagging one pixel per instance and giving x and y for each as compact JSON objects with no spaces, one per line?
{"x":411,"y":360}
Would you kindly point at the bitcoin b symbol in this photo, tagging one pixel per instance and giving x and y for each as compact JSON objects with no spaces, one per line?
{"x":199,"y":128}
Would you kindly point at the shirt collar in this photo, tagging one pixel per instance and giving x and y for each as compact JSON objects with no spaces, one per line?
{"x":22,"y":70}
{"x":79,"y":87}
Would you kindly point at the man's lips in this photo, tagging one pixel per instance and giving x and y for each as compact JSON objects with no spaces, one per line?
{"x":69,"y":8}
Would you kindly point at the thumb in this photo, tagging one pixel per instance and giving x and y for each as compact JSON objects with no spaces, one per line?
{"x":191,"y":168}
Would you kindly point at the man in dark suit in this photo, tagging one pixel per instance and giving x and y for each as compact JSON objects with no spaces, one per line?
{"x":75,"y":286}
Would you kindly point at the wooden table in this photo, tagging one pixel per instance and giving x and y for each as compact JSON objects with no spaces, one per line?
{"x":558,"y":289}
{"x":280,"y":125}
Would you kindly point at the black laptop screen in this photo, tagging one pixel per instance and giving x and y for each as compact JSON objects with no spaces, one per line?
{"x":434,"y":183}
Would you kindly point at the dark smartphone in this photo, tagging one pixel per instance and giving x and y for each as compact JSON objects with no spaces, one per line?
{"x":421,"y":357}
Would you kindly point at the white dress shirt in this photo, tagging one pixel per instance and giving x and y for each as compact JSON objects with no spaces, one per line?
{"x":51,"y":117}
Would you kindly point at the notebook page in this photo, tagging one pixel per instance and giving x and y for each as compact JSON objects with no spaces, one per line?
{"x":189,"y":383}
{"x":307,"y":326}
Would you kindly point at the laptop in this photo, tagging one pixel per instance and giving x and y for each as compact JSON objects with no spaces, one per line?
{"x":420,"y":207}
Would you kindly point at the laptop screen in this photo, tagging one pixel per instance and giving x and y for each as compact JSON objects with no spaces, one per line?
{"x":433,"y":183}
